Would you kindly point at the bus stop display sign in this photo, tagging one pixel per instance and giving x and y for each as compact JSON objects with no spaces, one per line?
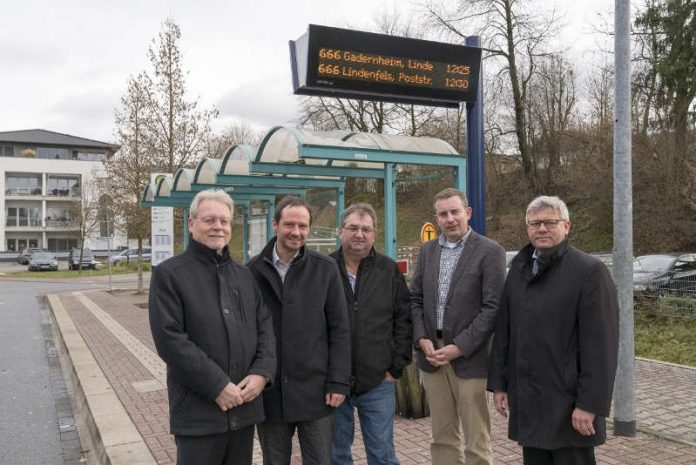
{"x":342,"y":63}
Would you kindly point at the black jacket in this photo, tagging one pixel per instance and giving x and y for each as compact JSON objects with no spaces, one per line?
{"x":210,"y":327}
{"x":312,"y":333}
{"x":380,"y":320}
{"x":555,"y":347}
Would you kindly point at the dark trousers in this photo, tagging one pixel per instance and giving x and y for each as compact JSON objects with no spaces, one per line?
{"x":314,"y":436}
{"x":233,"y":448}
{"x":562,"y":456}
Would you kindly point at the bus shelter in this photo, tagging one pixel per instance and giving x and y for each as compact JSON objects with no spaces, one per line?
{"x":290,"y":161}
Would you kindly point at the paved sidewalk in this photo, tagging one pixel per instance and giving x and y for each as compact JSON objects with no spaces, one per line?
{"x":116,"y":332}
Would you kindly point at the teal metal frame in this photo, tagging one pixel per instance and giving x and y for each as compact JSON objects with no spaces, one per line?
{"x":297,"y":177}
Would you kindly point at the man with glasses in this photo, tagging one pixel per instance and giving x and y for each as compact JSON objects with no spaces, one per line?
{"x":302,"y":288}
{"x":211,"y":328}
{"x":556,"y":343}
{"x":380,"y":330}
{"x":455,"y":292}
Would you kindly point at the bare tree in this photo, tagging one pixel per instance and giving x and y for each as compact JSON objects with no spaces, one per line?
{"x":513,"y":39}
{"x":83,"y":214}
{"x":129,"y":171}
{"x":237,"y":133}
{"x":179,"y":129}
{"x":551,"y":107}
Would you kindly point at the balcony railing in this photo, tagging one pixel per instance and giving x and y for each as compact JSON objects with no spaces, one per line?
{"x":68,"y":192}
{"x":23,"y":191}
{"x":65,"y":224}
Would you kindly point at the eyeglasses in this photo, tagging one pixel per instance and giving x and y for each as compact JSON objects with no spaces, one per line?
{"x":548,"y":224}
{"x":356,"y":229}
{"x":211,"y":220}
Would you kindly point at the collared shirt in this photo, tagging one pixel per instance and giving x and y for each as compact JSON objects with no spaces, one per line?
{"x":535,"y":262}
{"x":352,"y":278}
{"x":281,"y":266}
{"x":449,"y":257}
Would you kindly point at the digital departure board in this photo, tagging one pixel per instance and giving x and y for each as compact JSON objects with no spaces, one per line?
{"x":344,"y":63}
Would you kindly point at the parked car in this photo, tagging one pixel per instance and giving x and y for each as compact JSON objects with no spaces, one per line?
{"x":509,"y":255}
{"x":25,"y":255}
{"x":657,"y":273}
{"x":87,"y":259}
{"x":41,"y":261}
{"x":128,"y":255}
{"x":605,"y":257}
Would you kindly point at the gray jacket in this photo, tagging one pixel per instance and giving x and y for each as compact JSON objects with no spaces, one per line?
{"x":471,"y":307}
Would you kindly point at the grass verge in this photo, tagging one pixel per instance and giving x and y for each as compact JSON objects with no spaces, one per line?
{"x":666,"y":338}
{"x":66,"y":274}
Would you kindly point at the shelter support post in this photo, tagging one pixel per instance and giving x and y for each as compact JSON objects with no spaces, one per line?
{"x":476,"y":176}
{"x":270,"y":213}
{"x":390,"y":210}
{"x":186,"y":230}
{"x":340,"y":206}
{"x":245,"y":233}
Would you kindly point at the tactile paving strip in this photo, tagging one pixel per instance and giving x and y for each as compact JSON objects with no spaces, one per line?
{"x":149,"y":359}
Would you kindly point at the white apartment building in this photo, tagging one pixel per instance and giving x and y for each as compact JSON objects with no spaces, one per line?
{"x":43,"y":173}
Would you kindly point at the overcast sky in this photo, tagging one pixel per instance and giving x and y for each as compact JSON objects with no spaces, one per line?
{"x":65,"y":63}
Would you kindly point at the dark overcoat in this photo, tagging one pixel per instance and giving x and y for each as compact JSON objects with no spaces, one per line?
{"x":210,"y":327}
{"x":312,"y":334}
{"x":555,"y":347}
{"x":471,"y":306}
{"x":379,"y":312}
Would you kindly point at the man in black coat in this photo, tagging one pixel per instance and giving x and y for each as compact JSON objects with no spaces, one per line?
{"x":380,"y":329}
{"x":556,"y":344}
{"x":211,"y":328}
{"x":303,"y":291}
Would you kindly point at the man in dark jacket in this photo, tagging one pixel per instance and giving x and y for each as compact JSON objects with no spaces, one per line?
{"x":380,"y":329}
{"x":211,"y":328}
{"x":454,"y":299}
{"x":303,"y":291}
{"x":556,"y":344}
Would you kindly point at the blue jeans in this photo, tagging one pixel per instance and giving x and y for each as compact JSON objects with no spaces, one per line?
{"x":376,"y":412}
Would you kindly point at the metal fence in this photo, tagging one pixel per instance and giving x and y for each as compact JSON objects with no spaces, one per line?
{"x":667,"y":294}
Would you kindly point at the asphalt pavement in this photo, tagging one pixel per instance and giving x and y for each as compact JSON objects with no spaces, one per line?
{"x":37,"y":426}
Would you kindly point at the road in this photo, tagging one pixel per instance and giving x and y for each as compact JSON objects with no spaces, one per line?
{"x":37,"y":426}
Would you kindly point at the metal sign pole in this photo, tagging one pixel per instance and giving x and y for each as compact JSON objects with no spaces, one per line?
{"x":476,"y":176}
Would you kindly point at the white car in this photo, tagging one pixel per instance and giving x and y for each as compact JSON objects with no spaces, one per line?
{"x":129,"y":255}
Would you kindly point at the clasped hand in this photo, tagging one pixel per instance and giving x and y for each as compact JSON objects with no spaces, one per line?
{"x":247,"y":390}
{"x":441,"y":356}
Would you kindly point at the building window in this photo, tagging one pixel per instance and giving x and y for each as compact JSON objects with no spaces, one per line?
{"x":6,"y":150}
{"x":89,"y":156}
{"x":27,"y":152}
{"x":28,"y":184}
{"x":23,"y":216}
{"x":63,"y":185}
{"x":60,"y":217}
{"x":106,"y":226}
{"x":16,"y":245}
{"x":53,"y":153}
{"x":61,"y":244}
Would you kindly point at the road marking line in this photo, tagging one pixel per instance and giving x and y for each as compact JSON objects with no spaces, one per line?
{"x":148,"y":358}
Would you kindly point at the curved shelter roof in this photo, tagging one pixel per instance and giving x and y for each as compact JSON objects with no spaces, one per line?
{"x":285,"y":145}
{"x":289,"y":161}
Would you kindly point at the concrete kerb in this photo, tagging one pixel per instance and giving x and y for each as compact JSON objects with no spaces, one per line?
{"x":104,"y":426}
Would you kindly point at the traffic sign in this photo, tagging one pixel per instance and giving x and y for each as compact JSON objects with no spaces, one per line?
{"x":428,"y":233}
